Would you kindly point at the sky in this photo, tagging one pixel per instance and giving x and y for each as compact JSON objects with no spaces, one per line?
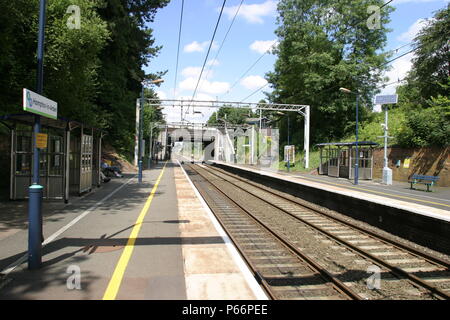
{"x":251,"y":35}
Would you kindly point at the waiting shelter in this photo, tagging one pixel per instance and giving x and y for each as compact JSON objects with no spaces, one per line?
{"x":70,"y":164}
{"x":338,"y":159}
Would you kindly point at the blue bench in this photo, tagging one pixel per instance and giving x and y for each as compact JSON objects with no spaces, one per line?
{"x":429,"y":181}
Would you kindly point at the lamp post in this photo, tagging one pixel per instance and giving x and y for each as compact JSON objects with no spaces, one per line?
{"x":141,"y":109}
{"x":289,"y":143}
{"x":344,"y":90}
{"x":150,"y":157}
{"x":35,"y":235}
{"x":288,"y":137}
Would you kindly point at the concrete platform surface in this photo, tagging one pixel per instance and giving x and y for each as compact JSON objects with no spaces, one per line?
{"x":156,"y":240}
{"x":434,"y":204}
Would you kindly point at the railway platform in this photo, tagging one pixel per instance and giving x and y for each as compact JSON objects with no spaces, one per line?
{"x":156,"y":240}
{"x":434,"y":204}
{"x":417,"y":216}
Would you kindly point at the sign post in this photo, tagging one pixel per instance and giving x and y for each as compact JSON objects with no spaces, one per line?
{"x":383,"y":100}
{"x":40,"y":106}
{"x":289,"y":156}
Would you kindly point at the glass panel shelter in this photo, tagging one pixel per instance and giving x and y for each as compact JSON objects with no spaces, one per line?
{"x":69,"y":165}
{"x":338,"y":159}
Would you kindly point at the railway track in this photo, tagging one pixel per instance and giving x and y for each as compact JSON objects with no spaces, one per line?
{"x":278,"y":265}
{"x":337,"y":250}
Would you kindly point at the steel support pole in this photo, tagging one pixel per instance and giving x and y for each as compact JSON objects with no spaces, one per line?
{"x":136,"y":133}
{"x":260,"y":119}
{"x":356,"y":143}
{"x":387,"y":172}
{"x":385,"y":136}
{"x":141,"y":107}
{"x":306,"y":136}
{"x":289,"y":143}
{"x":150,"y":150}
{"x":35,"y":234}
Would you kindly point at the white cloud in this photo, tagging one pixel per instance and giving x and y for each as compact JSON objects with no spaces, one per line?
{"x":196,"y":46}
{"x":263,"y":46}
{"x":191,"y":72}
{"x":194,"y":72}
{"x":413,"y":30}
{"x":411,"y":1}
{"x":213,"y":62}
{"x":253,"y":13}
{"x":161,"y":95}
{"x":205,"y":86}
{"x":398,"y":71}
{"x":253,"y":82}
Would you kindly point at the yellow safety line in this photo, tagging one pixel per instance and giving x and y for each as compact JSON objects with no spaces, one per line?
{"x":369,"y":190}
{"x":116,"y":279}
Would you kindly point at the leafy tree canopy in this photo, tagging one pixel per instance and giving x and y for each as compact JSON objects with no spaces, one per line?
{"x":324,"y":46}
{"x":94,"y":73}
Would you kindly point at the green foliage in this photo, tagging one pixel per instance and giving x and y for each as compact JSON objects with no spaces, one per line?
{"x":430,"y":126}
{"x":431,"y":64}
{"x":324,"y":46}
{"x":424,"y":98}
{"x":372,"y":130}
{"x":314,"y":162}
{"x":231,"y":115}
{"x":152,"y":115}
{"x":131,"y":47}
{"x":94,"y":73}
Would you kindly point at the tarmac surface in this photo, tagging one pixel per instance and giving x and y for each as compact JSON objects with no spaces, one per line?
{"x":124,"y":241}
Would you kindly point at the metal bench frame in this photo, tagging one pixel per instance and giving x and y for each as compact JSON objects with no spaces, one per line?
{"x":429,"y":181}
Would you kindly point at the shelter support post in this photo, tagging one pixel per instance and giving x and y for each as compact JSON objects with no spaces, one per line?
{"x":99,"y":160}
{"x":12,"y":183}
{"x":67,"y":167}
{"x":306,"y":142}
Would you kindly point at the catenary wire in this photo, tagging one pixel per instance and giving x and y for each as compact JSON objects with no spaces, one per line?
{"x":209,"y":49}
{"x":224,"y":39}
{"x":178,"y":50}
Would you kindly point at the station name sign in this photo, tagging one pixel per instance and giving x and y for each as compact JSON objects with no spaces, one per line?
{"x":35,"y":103}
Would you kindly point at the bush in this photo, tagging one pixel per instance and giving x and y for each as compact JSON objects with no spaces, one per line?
{"x":427,"y":127}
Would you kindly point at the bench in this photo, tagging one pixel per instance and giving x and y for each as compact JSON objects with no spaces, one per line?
{"x":429,"y":181}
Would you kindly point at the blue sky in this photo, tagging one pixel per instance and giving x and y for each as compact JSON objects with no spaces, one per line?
{"x":252,"y":33}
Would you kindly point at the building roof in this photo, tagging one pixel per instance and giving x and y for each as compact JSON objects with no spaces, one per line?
{"x":254,"y":120}
{"x":60,"y":123}
{"x":347,"y":144}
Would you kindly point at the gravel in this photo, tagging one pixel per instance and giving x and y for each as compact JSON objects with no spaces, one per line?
{"x":349,"y":266}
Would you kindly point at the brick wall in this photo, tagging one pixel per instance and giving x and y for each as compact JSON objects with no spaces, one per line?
{"x":431,"y":161}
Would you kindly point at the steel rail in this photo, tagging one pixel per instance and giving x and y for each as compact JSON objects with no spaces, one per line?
{"x":327,"y":276}
{"x":398,"y":245}
{"x":247,"y":260}
{"x":395,"y":270}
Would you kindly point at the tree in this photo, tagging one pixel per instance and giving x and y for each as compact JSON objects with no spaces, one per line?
{"x":427,"y":126}
{"x":431,"y":64}
{"x":424,"y":98}
{"x":231,"y":115}
{"x":131,"y":47}
{"x":323,"y":46}
{"x":71,"y":56}
{"x":94,"y":73}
